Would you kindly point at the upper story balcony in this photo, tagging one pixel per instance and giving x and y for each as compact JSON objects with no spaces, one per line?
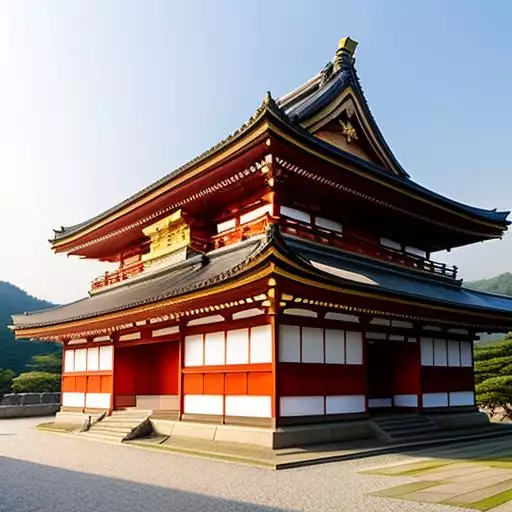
{"x":392,"y":253}
{"x":117,"y":276}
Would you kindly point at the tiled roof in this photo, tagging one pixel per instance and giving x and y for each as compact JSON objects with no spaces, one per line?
{"x":293,"y":108}
{"x":200,"y":272}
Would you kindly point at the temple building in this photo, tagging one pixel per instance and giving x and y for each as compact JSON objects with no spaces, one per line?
{"x":286,"y":276}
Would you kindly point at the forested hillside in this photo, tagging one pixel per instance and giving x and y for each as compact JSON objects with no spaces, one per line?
{"x":498,"y":284}
{"x":15,"y":355}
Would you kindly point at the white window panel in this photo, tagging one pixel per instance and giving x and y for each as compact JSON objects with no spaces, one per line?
{"x":97,"y":400}
{"x":406,"y":400}
{"x":256,"y":213}
{"x":440,"y":353}
{"x":93,"y":359}
{"x":73,"y":399}
{"x":328,"y":224}
{"x":334,"y":346}
{"x":214,"y":348}
{"x":261,"y":344}
{"x":390,"y":244}
{"x":295,"y":214}
{"x":354,"y":348}
{"x":289,"y":343}
{"x":345,"y":404}
{"x":462,"y":398}
{"x":453,"y":353}
{"x":80,"y":360}
{"x":225,"y":226}
{"x":249,"y":406}
{"x":427,"y":352}
{"x":466,"y":353}
{"x":237,"y":346}
{"x":435,"y":399}
{"x":106,"y":357}
{"x":376,"y":403}
{"x":69,"y":360}
{"x":203,"y":404}
{"x":312,"y":345}
{"x":194,"y":350}
{"x":301,"y":405}
{"x":416,"y":252}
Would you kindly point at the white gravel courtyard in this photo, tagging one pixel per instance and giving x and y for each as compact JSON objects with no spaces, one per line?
{"x":46,"y":472}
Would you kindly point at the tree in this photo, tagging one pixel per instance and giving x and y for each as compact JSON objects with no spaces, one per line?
{"x":6,"y":377}
{"x":36,"y":382}
{"x":51,"y":363}
{"x":493,"y":376}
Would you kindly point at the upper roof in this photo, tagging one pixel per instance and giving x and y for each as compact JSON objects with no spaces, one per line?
{"x":332,"y":97}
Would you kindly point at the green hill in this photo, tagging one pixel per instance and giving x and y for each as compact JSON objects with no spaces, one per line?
{"x":498,"y":284}
{"x":16,"y":354}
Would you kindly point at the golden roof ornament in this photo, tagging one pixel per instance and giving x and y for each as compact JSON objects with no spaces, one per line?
{"x":348,"y":131}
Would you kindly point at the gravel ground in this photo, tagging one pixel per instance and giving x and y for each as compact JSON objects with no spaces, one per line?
{"x":46,"y":472}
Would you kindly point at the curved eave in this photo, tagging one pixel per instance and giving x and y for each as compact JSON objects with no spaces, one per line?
{"x":295,"y":133}
{"x":223,"y":150}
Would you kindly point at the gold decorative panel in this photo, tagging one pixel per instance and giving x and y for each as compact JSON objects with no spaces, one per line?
{"x":167,"y":236}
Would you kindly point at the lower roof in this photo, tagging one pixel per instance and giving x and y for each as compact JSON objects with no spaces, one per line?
{"x":202,"y":271}
{"x":361,"y":272}
{"x":196,"y":273}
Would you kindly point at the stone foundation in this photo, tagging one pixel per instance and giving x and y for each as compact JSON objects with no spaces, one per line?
{"x":282,"y":437}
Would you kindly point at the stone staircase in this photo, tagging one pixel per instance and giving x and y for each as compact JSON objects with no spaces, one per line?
{"x":121,"y":426}
{"x":405,"y":427}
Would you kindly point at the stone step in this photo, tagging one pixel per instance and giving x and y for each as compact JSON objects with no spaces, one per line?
{"x":405,"y":428}
{"x":120,"y":423}
{"x":112,"y":436}
{"x":402,"y":434}
{"x":113,"y":430}
{"x":401,"y":420}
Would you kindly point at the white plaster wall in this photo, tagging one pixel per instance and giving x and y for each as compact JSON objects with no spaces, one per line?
{"x":462,"y":398}
{"x":237,"y":346}
{"x":97,"y":400}
{"x":73,"y":399}
{"x":249,"y":406}
{"x":334,"y":346}
{"x":312,"y":345}
{"x":203,"y":404}
{"x":301,"y":405}
{"x":194,"y":350}
{"x":106,"y":353}
{"x":345,"y":404}
{"x":289,"y":343}
{"x":261,"y":344}
{"x":406,"y":400}
{"x":435,"y":399}
{"x":354,"y":348}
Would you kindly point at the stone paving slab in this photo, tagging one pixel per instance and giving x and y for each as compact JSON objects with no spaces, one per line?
{"x":474,"y":483}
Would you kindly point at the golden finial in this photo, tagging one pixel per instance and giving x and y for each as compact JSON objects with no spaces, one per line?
{"x":347,"y":44}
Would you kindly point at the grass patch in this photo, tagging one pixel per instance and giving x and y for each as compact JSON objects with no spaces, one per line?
{"x":57,"y":427}
{"x":397,"y":492}
{"x":487,"y":503}
{"x":413,"y":468}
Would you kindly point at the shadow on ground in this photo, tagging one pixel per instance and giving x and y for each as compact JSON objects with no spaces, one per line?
{"x":28,"y":487}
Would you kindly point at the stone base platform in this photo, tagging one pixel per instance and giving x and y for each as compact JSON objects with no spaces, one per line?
{"x":275,"y":438}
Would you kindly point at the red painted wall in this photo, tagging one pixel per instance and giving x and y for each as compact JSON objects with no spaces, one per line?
{"x":305,"y":379}
{"x":150,"y":369}
{"x":440,"y":379}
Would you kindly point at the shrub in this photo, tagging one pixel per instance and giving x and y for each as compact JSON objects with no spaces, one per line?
{"x":36,"y":382}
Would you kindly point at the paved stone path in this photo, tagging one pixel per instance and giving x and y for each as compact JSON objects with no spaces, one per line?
{"x":46,"y":472}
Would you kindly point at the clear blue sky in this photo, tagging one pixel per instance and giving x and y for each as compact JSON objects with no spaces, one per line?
{"x":99,"y":99}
